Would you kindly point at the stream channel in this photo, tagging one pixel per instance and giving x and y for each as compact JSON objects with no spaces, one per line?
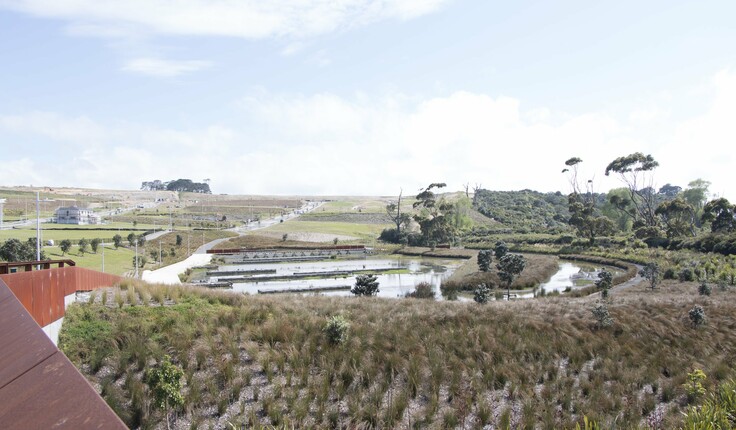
{"x":397,"y":275}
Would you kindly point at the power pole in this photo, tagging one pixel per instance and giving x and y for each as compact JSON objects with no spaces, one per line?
{"x":2,"y":202}
{"x":103,"y":256}
{"x":136,"y":259}
{"x":38,"y":227}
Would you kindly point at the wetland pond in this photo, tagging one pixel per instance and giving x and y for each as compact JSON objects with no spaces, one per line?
{"x":575,"y":274}
{"x":397,"y":275}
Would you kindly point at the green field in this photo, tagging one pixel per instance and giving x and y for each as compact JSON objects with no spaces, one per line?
{"x":358,"y":205}
{"x":76,"y":232}
{"x":117,"y":261}
{"x":361,"y":231}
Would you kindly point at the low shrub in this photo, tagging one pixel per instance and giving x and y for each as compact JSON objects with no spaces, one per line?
{"x":602,"y":316}
{"x":697,"y":316}
{"x":336,"y":329}
{"x":422,"y":290}
{"x":450,"y":290}
{"x":704,"y":289}
{"x":482,"y":294}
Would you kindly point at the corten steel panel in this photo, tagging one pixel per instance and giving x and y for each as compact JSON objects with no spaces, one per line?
{"x":70,"y":279}
{"x":57,"y":310}
{"x":21,"y":286}
{"x":42,"y":292}
{"x":40,"y":298}
{"x":56,"y":296}
{"x":88,"y":280}
{"x":22,"y":342}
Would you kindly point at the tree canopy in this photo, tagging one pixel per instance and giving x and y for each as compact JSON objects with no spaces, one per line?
{"x":13,"y":250}
{"x":721,"y":215}
{"x":183,"y":185}
{"x":635,"y":170}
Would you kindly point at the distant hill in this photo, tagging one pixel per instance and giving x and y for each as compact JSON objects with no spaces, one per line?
{"x":524,"y":211}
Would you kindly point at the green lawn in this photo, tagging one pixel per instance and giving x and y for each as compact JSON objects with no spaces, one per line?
{"x":117,"y":261}
{"x":362,"y":231}
{"x":76,"y":232}
{"x":367,"y":205}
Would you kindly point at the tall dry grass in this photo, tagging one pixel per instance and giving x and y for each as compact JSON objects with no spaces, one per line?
{"x":265,"y":361}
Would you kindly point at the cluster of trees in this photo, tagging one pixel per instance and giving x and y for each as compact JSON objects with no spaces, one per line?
{"x":184,"y":185}
{"x":670,"y":212}
{"x":13,"y":250}
{"x":509,"y":267}
{"x":66,"y":245}
{"x":440,"y":220}
{"x":524,"y":211}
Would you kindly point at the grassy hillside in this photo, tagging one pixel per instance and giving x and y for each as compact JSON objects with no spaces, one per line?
{"x":407,"y":363}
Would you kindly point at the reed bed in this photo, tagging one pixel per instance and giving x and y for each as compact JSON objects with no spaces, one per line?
{"x":256,"y":362}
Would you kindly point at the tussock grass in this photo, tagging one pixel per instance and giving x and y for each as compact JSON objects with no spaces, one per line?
{"x":265,"y":361}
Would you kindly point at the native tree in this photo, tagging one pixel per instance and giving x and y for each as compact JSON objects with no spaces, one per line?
{"x":678,"y":217}
{"x":581,"y":204}
{"x":434,"y":217}
{"x":509,"y":267}
{"x":484,"y":260}
{"x":721,"y":215}
{"x":636,"y":172}
{"x":365,"y":285}
{"x":393,"y":210}
{"x":65,"y":245}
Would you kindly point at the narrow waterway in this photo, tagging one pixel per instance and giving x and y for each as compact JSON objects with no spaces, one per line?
{"x":573,"y":275}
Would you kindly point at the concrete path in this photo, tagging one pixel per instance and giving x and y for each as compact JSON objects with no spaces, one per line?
{"x":636,"y":280}
{"x":154,"y":236}
{"x":170,"y":274}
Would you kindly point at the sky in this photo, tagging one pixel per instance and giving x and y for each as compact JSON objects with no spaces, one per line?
{"x":364,"y":97}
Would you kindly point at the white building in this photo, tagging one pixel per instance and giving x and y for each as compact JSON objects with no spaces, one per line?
{"x":75,"y":215}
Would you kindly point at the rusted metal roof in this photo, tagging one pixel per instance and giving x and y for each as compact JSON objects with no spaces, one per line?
{"x":39,"y":387}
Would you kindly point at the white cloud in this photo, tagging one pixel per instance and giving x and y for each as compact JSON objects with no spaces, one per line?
{"x":79,"y":130}
{"x":327,"y":144}
{"x":703,"y":144}
{"x":252,"y":19}
{"x":164,"y":68}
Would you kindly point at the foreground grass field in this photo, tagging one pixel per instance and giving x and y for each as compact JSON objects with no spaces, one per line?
{"x":407,"y":363}
{"x":117,"y":261}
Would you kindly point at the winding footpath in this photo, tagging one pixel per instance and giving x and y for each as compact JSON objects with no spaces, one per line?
{"x":170,"y":274}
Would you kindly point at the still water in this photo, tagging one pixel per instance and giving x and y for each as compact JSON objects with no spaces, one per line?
{"x":413,"y":271}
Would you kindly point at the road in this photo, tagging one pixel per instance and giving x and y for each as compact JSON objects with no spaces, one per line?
{"x":32,"y":221}
{"x":170,"y":274}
